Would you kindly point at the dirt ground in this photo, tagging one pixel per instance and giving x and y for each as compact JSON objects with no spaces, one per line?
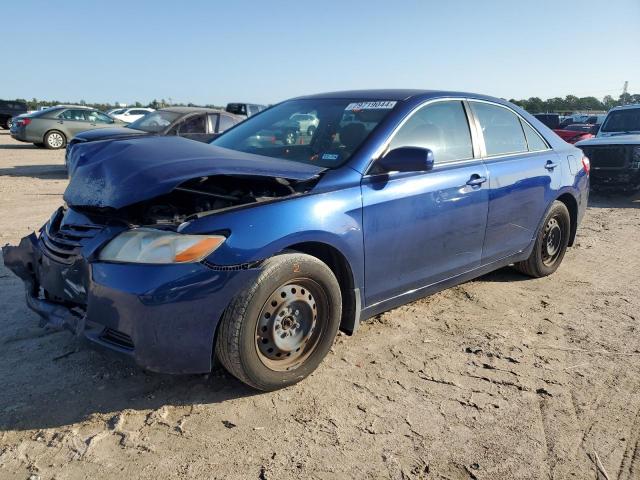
{"x":501,"y":378}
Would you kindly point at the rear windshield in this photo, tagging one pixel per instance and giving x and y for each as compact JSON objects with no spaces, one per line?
{"x":622,"y":121}
{"x":237,"y":108}
{"x":320,"y":131}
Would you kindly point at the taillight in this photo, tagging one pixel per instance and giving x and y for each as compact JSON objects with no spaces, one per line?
{"x":586,"y":164}
{"x":24,"y":121}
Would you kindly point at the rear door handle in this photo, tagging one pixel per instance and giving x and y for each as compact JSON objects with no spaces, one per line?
{"x":476,"y":180}
{"x":550,"y":165}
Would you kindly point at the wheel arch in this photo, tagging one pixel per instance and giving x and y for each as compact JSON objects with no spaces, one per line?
{"x":572,"y":205}
{"x":341,"y":268}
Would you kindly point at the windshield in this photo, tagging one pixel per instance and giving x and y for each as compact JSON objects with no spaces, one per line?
{"x":622,"y":121}
{"x":154,"y":122}
{"x":320,"y":131}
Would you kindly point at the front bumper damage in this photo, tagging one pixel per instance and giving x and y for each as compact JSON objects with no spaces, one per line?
{"x":163,"y":317}
{"x":21,"y":260}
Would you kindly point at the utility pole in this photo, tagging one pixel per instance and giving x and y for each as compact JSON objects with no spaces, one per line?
{"x":624,"y":91}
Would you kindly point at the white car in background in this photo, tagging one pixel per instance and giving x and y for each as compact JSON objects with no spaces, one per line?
{"x":129,"y":115}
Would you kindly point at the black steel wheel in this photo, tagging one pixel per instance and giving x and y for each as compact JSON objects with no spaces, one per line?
{"x":277,"y":332}
{"x":551,"y":243}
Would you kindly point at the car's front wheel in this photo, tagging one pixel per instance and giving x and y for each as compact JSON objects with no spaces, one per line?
{"x":551,"y":243}
{"x":277,"y":332}
{"x":55,"y":140}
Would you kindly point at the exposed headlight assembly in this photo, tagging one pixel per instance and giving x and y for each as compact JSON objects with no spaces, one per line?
{"x":147,"y":245}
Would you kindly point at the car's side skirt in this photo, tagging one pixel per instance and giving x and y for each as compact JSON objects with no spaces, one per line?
{"x":417,"y":293}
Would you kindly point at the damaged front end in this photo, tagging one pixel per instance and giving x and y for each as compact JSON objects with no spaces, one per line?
{"x":22,"y":260}
{"x":164,"y":316}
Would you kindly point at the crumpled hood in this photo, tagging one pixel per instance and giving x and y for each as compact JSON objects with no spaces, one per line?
{"x":105,"y":133}
{"x":127,"y":171}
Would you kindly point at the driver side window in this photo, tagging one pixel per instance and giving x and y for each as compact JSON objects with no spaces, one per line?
{"x":441,"y":127}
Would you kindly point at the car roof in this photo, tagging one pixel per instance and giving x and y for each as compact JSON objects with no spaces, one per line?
{"x":189,"y":109}
{"x":399,"y":95}
{"x":73,"y":106}
{"x":625,"y":107}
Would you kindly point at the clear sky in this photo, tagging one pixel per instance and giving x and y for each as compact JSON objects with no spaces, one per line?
{"x":265,"y":51}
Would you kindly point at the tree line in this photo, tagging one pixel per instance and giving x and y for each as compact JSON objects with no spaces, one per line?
{"x":572,"y":103}
{"x":35,"y":104}
{"x":568,"y":104}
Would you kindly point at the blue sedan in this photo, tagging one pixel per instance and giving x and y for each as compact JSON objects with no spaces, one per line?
{"x":255,"y":249}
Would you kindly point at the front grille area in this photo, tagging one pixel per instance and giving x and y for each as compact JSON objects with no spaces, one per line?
{"x":117,"y":338}
{"x":63,"y":243}
{"x":617,"y":156}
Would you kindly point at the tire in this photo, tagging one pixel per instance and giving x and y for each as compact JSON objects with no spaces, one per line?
{"x":9,"y":124}
{"x":311,"y":130}
{"x":55,"y":140}
{"x":551,"y":243}
{"x":276,"y":332}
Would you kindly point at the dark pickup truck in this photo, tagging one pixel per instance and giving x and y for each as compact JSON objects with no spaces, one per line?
{"x":10,"y":109}
{"x":615,"y":151}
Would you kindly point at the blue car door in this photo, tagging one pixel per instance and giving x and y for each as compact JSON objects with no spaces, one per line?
{"x":424,"y":227}
{"x":524,"y":174}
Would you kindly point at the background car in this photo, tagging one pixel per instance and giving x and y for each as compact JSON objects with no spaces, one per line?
{"x":10,"y":109}
{"x":615,"y":152}
{"x":577,"y":132}
{"x":551,"y":120}
{"x":244,"y":109}
{"x":194,"y":123}
{"x":55,"y":126}
{"x":130,"y":115}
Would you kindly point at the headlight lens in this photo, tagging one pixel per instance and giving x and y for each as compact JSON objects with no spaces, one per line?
{"x":146,"y":245}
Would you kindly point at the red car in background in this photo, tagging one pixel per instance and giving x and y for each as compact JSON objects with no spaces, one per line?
{"x":575,"y":133}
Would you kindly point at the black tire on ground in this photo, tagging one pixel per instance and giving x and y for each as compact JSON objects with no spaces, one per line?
{"x":277,"y":331}
{"x":55,"y":140}
{"x":311,"y":130}
{"x":551,"y":243}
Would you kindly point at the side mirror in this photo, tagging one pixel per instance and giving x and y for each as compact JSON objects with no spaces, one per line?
{"x":407,"y":159}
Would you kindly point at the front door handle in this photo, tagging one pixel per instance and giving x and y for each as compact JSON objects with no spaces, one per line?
{"x":476,"y":180}
{"x":550,"y":165}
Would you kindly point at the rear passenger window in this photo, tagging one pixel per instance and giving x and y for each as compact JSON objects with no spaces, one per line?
{"x":441,"y":127}
{"x":225,"y":123}
{"x":194,"y":124}
{"x":533,"y":138}
{"x":501,"y":129}
{"x":74,"y":115}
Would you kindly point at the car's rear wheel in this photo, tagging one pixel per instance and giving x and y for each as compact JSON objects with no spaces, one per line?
{"x":551,"y":243}
{"x":55,"y":140}
{"x":311,"y":130}
{"x":277,"y":332}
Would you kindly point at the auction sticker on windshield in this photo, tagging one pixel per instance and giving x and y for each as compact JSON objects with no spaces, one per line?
{"x":386,"y":104}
